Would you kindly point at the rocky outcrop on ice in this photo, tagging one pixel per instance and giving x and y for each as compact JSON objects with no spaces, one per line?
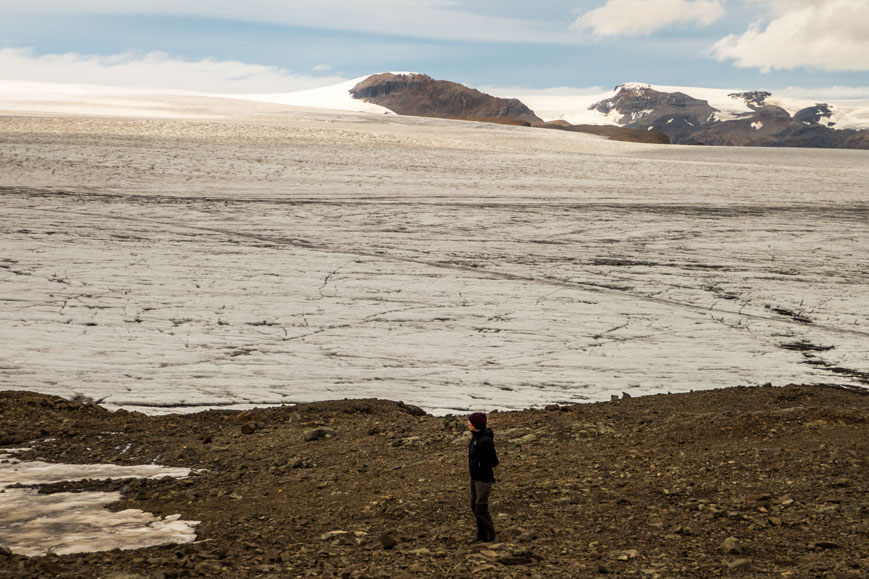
{"x":422,"y":96}
{"x":688,"y":120}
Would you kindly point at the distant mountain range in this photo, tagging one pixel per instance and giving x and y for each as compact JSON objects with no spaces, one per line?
{"x":633,"y":112}
{"x":422,"y":96}
{"x":692,"y":121}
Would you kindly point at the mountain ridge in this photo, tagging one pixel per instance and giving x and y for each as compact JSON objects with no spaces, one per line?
{"x":420,"y":95}
{"x":632,"y":111}
{"x":692,"y":121}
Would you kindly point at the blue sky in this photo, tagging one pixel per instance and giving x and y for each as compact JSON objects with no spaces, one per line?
{"x":279,"y":46}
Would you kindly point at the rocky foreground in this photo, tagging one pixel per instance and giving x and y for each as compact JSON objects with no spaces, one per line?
{"x":754,"y":482}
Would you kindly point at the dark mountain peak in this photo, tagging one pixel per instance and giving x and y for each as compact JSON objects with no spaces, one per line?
{"x":754,"y":99}
{"x":814,"y":114}
{"x":633,"y":87}
{"x":640,"y":106}
{"x":422,"y":96}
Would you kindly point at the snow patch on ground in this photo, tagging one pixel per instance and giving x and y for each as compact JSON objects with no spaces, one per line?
{"x":35,"y":524}
{"x":757,"y":126}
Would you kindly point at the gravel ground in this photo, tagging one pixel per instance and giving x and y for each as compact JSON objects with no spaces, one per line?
{"x":754,"y":482}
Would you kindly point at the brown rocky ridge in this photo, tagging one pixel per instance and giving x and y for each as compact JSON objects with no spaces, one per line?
{"x":747,"y":482}
{"x":420,"y":95}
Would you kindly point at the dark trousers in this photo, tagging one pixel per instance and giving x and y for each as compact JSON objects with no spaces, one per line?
{"x":480,"y":507}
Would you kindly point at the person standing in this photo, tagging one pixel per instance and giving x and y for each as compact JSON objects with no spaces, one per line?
{"x":481,"y":460}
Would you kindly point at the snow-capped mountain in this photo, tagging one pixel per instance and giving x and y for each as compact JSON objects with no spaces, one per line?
{"x":747,"y":118}
{"x":682,"y":115}
{"x":714,"y":117}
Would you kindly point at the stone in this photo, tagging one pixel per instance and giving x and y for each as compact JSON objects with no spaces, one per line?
{"x":388,"y":541}
{"x":339,"y":538}
{"x":731,"y":546}
{"x":209,"y":568}
{"x":319,"y":434}
{"x":628,"y":554}
{"x":739,"y":564}
{"x":248,"y":428}
{"x":525,"y":439}
{"x":301,"y":463}
{"x":826,"y":545}
{"x":513,"y":560}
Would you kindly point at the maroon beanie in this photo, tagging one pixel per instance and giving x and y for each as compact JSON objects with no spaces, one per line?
{"x":478,"y":419}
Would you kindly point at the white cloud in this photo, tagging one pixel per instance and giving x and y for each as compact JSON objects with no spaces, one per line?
{"x":322,"y":68}
{"x":820,"y":34}
{"x":430,"y":19}
{"x":643,"y":17}
{"x":154,"y":70}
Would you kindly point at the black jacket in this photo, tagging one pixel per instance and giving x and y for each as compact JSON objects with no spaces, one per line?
{"x":481,"y":455}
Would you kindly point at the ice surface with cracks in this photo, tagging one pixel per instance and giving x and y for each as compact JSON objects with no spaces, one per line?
{"x":288,"y":255}
{"x":76,"y":522}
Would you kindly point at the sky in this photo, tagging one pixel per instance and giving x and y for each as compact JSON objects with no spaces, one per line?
{"x":804,"y":47}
